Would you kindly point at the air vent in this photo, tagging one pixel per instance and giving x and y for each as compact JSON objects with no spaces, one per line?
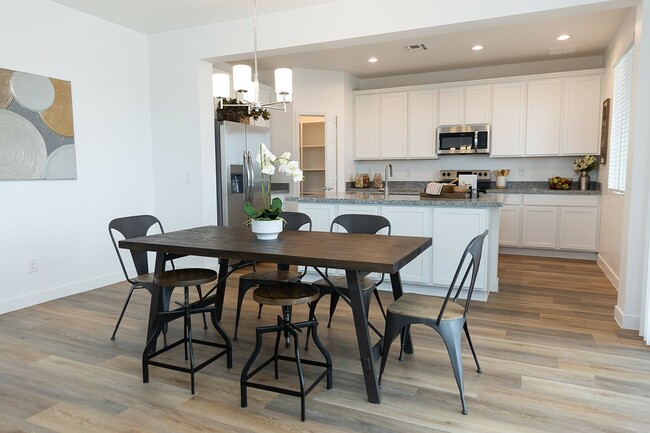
{"x":415,"y":47}
{"x":562,"y":50}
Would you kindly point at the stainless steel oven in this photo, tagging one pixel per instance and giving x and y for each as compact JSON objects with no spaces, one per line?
{"x":463,"y":139}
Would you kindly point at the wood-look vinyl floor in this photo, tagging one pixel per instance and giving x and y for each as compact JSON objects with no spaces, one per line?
{"x":553,"y":360}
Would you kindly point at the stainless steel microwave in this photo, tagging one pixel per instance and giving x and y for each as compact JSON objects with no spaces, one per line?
{"x":463,"y":139}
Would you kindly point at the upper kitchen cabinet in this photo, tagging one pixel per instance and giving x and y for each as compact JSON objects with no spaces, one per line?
{"x":464,"y":105}
{"x":366,"y":127}
{"x":381,"y":125}
{"x":581,"y":115}
{"x":422,"y":124}
{"x":393,"y":125}
{"x":543,"y":117}
{"x":508,"y":133}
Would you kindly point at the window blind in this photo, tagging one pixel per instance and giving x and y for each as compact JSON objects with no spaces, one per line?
{"x":620,"y":128}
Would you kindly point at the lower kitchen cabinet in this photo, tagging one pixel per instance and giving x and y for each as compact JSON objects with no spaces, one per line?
{"x":453,"y":228}
{"x":579,"y":228}
{"x":412,"y":221}
{"x":550,"y":222}
{"x":539,"y":228}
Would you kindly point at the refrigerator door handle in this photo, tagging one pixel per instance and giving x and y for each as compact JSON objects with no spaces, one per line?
{"x":246,"y":177}
{"x":251,"y":179}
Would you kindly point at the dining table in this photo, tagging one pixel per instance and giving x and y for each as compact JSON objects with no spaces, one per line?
{"x":356,"y":254}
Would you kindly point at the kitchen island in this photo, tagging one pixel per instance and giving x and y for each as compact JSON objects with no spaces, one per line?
{"x":451,"y":223}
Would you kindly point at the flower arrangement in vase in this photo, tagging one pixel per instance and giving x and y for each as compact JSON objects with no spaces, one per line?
{"x":583,"y":166}
{"x":266,"y":222}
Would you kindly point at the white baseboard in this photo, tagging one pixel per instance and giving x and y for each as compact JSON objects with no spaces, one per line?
{"x":609,"y":272}
{"x":27,"y":300}
{"x":626,"y":321}
{"x":580,"y":255}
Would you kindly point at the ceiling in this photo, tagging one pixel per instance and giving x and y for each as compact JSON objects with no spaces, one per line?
{"x":505,"y":41}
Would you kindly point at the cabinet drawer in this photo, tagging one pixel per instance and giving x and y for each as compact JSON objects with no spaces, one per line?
{"x":560,"y":200}
{"x":512,"y":199}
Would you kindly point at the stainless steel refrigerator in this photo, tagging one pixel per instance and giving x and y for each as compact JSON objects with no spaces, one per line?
{"x":239,"y":179}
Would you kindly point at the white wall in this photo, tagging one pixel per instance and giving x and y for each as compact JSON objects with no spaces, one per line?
{"x":611,"y":216}
{"x":63,"y":224}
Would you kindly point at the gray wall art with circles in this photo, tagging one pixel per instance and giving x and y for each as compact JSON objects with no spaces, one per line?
{"x":36,"y":127}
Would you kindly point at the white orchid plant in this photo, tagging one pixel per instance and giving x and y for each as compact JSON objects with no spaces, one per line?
{"x":585,"y":163}
{"x":267,"y":162}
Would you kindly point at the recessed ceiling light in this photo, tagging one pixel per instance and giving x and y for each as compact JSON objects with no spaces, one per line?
{"x":563,"y":37}
{"x":373,"y":60}
{"x":478,"y":47}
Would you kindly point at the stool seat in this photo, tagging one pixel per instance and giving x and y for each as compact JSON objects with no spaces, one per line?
{"x":286,"y":294}
{"x":185,"y":277}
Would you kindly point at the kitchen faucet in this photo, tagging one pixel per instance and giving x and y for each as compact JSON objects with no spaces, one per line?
{"x":388,"y":171}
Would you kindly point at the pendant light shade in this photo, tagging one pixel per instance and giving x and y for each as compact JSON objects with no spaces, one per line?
{"x":241,"y":78}
{"x":284,"y":84}
{"x":221,"y":85}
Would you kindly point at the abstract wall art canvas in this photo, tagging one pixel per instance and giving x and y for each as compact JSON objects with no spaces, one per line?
{"x":36,"y":127}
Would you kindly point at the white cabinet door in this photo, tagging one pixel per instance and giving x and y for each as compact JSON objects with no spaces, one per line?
{"x":453,"y":228}
{"x":393,"y":124}
{"x":581,"y":120}
{"x":579,"y":228}
{"x":412,"y":221}
{"x":422,"y":124}
{"x":451,"y":106}
{"x":478,"y":104}
{"x":510,"y":226}
{"x":543,"y":116}
{"x":508,"y":132}
{"x":366,"y":127}
{"x":539,"y":227}
{"x":321,"y":214}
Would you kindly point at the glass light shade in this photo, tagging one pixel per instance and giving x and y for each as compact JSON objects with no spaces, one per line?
{"x":220,"y":85}
{"x":241,"y":77}
{"x":283,"y":82}
{"x":253,"y":91}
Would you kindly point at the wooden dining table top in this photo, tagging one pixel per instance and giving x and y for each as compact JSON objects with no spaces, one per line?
{"x":356,"y":252}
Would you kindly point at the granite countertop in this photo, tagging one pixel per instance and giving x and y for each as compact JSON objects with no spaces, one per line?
{"x":525,"y":187}
{"x":412,"y":199}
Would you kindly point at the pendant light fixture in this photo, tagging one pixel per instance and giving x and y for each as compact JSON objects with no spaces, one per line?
{"x":247,"y":89}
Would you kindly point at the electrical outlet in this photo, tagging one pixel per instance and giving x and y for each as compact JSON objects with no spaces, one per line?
{"x":32,"y":265}
{"x":522,"y":172}
{"x":188,"y":178}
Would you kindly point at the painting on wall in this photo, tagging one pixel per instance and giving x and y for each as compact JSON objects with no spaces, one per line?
{"x":36,"y":127}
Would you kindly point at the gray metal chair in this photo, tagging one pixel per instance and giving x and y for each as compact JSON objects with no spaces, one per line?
{"x":444,"y":315}
{"x":352,"y":223}
{"x":294,"y":221}
{"x":132,"y":227}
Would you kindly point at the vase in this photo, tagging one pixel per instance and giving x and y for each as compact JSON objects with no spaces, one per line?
{"x":585,"y":181}
{"x":266,"y":230}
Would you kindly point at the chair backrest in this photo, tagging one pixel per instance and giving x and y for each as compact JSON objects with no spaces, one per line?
{"x":133,"y":227}
{"x":360,"y":223}
{"x":296,"y":220}
{"x":470,"y":261}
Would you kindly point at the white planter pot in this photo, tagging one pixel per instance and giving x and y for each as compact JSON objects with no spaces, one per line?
{"x":267,"y":230}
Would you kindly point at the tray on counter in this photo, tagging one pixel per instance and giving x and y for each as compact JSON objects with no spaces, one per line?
{"x":446,"y":195}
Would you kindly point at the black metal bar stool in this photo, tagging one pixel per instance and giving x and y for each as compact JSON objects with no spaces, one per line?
{"x":286,"y":295}
{"x":186,"y":278}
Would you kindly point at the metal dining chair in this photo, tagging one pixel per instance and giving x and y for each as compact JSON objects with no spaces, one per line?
{"x":353,"y":223}
{"x":444,"y":315}
{"x":132,"y":227}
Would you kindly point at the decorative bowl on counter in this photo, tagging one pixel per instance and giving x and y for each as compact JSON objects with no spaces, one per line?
{"x":558,"y":182}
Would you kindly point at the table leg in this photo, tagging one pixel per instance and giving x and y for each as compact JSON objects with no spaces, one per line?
{"x":221,"y":288}
{"x":396,"y":283}
{"x":360,"y":316}
{"x":160,"y":297}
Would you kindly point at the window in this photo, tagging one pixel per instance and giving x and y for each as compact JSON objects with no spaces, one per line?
{"x":620,"y":129}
